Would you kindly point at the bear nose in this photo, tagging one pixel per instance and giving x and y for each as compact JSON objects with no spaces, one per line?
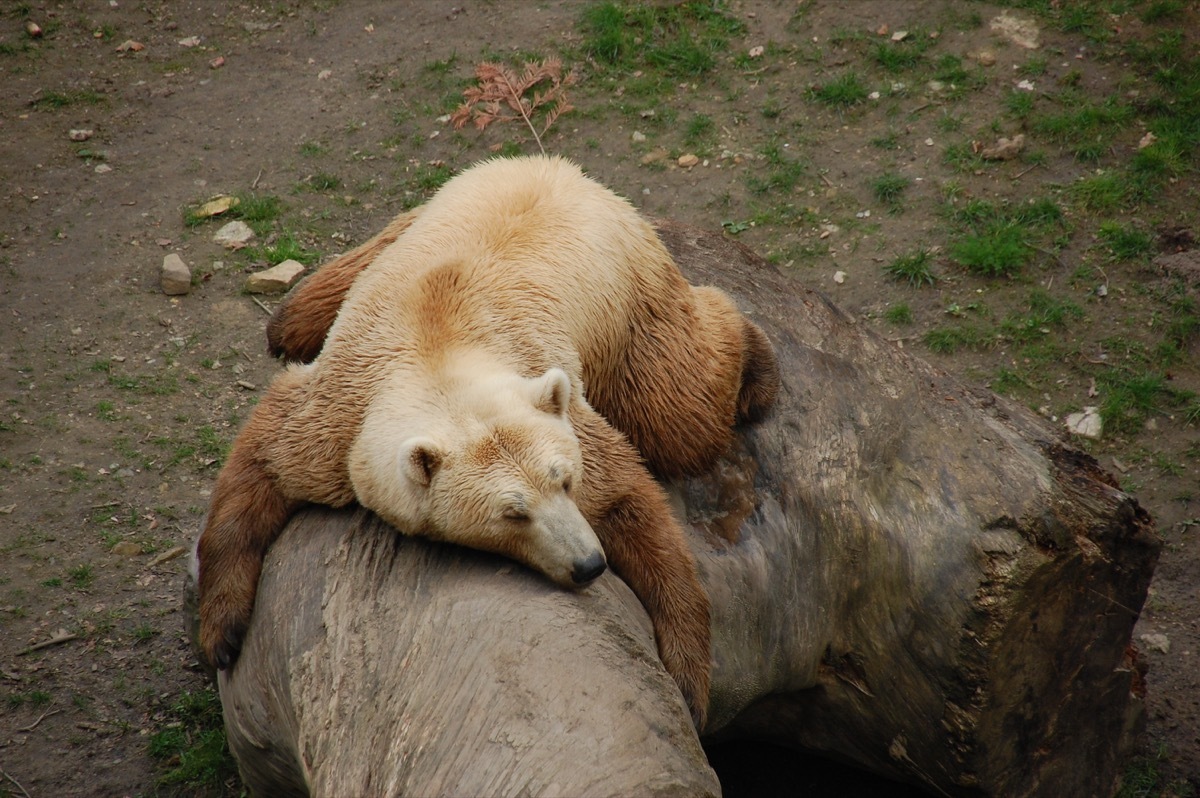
{"x":588,"y":570}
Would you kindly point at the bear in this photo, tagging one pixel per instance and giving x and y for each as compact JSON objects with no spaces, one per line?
{"x":505,"y":369}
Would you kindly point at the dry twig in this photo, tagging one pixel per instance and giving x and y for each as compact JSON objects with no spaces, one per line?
{"x":500,"y":96}
{"x":14,"y":781}
{"x":34,"y":725}
{"x":54,"y":641}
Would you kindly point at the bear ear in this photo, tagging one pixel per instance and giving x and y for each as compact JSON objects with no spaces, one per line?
{"x":552,"y":392}
{"x":420,"y":458}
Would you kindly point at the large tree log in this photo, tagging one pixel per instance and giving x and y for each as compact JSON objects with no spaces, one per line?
{"x":905,"y":573}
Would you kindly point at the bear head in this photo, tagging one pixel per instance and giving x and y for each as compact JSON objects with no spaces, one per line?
{"x":497,"y":474}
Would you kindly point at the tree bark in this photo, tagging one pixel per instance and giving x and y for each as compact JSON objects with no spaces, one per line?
{"x":904,"y":572}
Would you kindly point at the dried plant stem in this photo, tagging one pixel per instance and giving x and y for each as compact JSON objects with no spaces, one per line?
{"x":521,"y":107}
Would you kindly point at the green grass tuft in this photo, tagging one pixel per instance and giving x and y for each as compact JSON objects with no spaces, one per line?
{"x":914,"y":268}
{"x":842,"y":91}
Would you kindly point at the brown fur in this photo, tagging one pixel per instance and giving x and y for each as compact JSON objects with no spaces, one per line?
{"x":670,"y":366}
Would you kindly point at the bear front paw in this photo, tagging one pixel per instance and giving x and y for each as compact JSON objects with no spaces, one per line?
{"x":221,"y":636}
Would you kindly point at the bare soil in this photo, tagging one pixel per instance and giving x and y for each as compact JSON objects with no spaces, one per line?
{"x":119,"y":401}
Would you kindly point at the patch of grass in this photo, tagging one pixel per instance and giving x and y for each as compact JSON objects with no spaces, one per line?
{"x":211,"y":445}
{"x":53,"y":100}
{"x":194,"y":754}
{"x":998,"y":251}
{"x":889,"y":187}
{"x":1105,"y":191}
{"x":323,"y":181}
{"x":1125,"y":242}
{"x":1160,"y":10}
{"x":1087,"y":129}
{"x":81,"y":576}
{"x":699,"y":130}
{"x":1044,"y":313}
{"x":897,"y":57}
{"x":914,"y":268}
{"x":948,"y":340}
{"x":783,"y":171}
{"x":680,"y":40}
{"x":144,"y":632}
{"x":1129,"y":397}
{"x":843,"y":91}
{"x":286,"y":246}
{"x":146,"y":385}
{"x":888,"y":141}
{"x":899,"y":313}
{"x":962,"y":158}
{"x":313,"y":149}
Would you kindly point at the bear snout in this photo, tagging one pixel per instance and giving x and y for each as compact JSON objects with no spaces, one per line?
{"x":588,"y":570}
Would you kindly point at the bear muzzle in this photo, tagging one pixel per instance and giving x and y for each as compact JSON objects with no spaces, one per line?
{"x":589,"y":569}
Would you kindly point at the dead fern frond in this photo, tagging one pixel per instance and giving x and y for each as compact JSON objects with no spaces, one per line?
{"x":500,"y":96}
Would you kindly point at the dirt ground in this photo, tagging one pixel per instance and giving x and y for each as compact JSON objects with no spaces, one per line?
{"x":119,"y":401}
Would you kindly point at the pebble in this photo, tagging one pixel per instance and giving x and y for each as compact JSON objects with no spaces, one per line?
{"x":103,"y":169}
{"x":276,"y":279}
{"x":1086,"y":423}
{"x":1156,"y":642}
{"x":688,"y":161}
{"x":81,"y":135}
{"x":176,"y":277}
{"x":839,"y":277}
{"x":234,"y":235}
{"x":986,"y":58}
{"x":127,"y":548}
{"x":638,"y":136}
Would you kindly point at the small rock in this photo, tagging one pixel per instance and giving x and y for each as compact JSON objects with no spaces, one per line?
{"x":247,"y":385}
{"x":839,"y":277}
{"x":129,"y":45}
{"x":190,"y":41}
{"x":756,"y":52}
{"x":1025,"y":85}
{"x":127,"y":548}
{"x":899,"y":35}
{"x":215,"y":206}
{"x":176,"y":277}
{"x":81,"y":135}
{"x":936,"y":86}
{"x":103,"y":169}
{"x":217,"y":62}
{"x":654,"y":156}
{"x":874,"y":95}
{"x":1086,"y":423}
{"x":1102,"y":291}
{"x":986,"y":58}
{"x":33,"y":29}
{"x":1147,"y":140}
{"x":325,"y":74}
{"x":1021,"y":31}
{"x":1156,"y":642}
{"x":1004,"y":149}
{"x":882,"y":30}
{"x":638,"y":136}
{"x":688,"y":161}
{"x":276,"y":279}
{"x":234,"y":235}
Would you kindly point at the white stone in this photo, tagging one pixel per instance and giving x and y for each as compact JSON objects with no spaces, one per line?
{"x":175,"y":277}
{"x":234,"y":235}
{"x":638,"y":136}
{"x":276,"y":279}
{"x":1086,"y":423}
{"x":839,"y":277}
{"x":1156,"y":642}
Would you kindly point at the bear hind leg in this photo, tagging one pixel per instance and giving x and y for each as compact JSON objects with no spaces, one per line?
{"x":297,"y":330}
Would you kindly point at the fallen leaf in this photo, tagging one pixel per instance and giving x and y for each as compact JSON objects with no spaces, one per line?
{"x":129,"y":45}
